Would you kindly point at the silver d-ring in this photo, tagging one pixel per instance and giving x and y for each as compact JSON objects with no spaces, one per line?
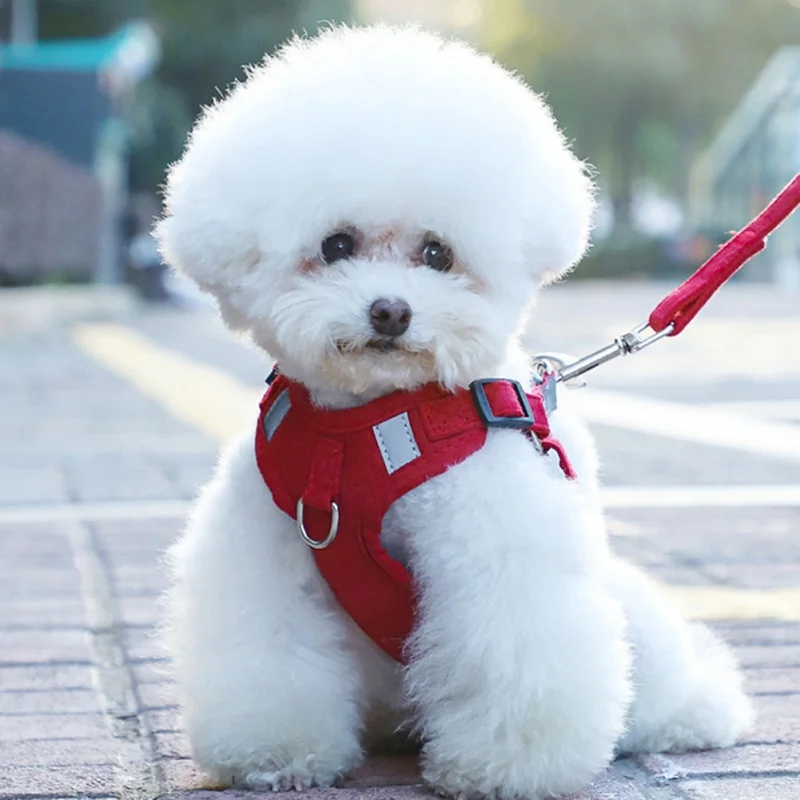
{"x":334,"y":529}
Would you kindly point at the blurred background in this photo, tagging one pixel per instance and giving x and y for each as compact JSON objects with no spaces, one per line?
{"x":118,"y":383}
{"x":689,"y":109}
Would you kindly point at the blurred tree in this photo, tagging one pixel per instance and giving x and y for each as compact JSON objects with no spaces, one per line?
{"x":64,"y":19}
{"x":204,"y":46}
{"x":639,"y":85}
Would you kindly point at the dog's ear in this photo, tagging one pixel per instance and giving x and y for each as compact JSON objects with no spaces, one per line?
{"x":560,"y":225}
{"x":200,"y":236}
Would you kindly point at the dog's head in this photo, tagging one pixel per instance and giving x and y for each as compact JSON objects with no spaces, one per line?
{"x":377,"y":208}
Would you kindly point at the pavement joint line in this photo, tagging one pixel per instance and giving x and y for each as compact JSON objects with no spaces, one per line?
{"x":756,"y":742}
{"x":139,"y":778}
{"x":46,"y":663}
{"x":710,"y":496}
{"x":49,"y":690}
{"x":56,"y":796}
{"x":18,"y":714}
{"x":747,"y":775}
{"x":94,"y":511}
{"x":41,"y":627}
{"x":613,"y":497}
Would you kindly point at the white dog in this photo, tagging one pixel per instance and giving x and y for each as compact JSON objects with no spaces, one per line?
{"x":387,"y":166}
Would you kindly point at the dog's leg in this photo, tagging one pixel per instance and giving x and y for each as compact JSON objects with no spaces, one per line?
{"x":688,"y":689}
{"x":519,"y":665}
{"x":689,"y":692}
{"x":271,"y":692}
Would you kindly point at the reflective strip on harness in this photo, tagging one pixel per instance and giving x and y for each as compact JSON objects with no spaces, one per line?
{"x":276,"y":414}
{"x":396,"y":442}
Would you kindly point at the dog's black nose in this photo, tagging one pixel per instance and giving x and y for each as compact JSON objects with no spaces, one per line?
{"x":390,"y":317}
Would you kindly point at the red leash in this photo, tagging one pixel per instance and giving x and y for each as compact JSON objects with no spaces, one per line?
{"x":682,"y":305}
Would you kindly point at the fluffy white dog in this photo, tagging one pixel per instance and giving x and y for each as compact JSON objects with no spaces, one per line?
{"x":388,"y":165}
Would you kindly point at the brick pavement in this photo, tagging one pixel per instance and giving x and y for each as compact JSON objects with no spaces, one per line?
{"x":87,"y":708}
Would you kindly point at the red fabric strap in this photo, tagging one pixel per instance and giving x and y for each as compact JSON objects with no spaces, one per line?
{"x":323,"y":479}
{"x":503,"y":399}
{"x":548,"y":444}
{"x":682,"y":305}
{"x":450,"y":414}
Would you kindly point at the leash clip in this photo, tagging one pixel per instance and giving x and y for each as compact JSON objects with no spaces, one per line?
{"x":634,"y":341}
{"x":568,"y":371}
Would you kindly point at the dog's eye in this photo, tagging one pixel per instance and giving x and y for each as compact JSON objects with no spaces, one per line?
{"x":338,"y":246}
{"x":437,"y":256}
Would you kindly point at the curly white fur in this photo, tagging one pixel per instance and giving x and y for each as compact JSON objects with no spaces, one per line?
{"x":536,"y":655}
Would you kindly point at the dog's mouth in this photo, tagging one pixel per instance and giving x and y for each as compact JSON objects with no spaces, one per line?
{"x":378,"y":345}
{"x":383,"y":345}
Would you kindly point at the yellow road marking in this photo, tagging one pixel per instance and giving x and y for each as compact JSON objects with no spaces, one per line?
{"x":724,"y":602}
{"x":222,"y":407}
{"x":200,"y":395}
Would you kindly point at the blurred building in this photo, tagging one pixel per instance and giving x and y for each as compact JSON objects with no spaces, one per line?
{"x":49,"y":213}
{"x":756,"y":153}
{"x":63,"y":152}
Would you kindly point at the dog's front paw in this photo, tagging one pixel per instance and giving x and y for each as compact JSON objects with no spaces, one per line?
{"x":455,"y":785}
{"x":501,"y":780}
{"x":292,"y":777}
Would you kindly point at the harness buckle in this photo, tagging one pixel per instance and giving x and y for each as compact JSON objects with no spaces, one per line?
{"x":314,"y":543}
{"x":483,"y":406}
{"x":270,"y":379}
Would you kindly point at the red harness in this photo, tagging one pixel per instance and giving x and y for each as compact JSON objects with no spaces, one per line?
{"x":338,"y":472}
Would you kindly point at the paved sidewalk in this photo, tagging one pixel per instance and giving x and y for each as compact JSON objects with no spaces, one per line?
{"x":93,"y":478}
